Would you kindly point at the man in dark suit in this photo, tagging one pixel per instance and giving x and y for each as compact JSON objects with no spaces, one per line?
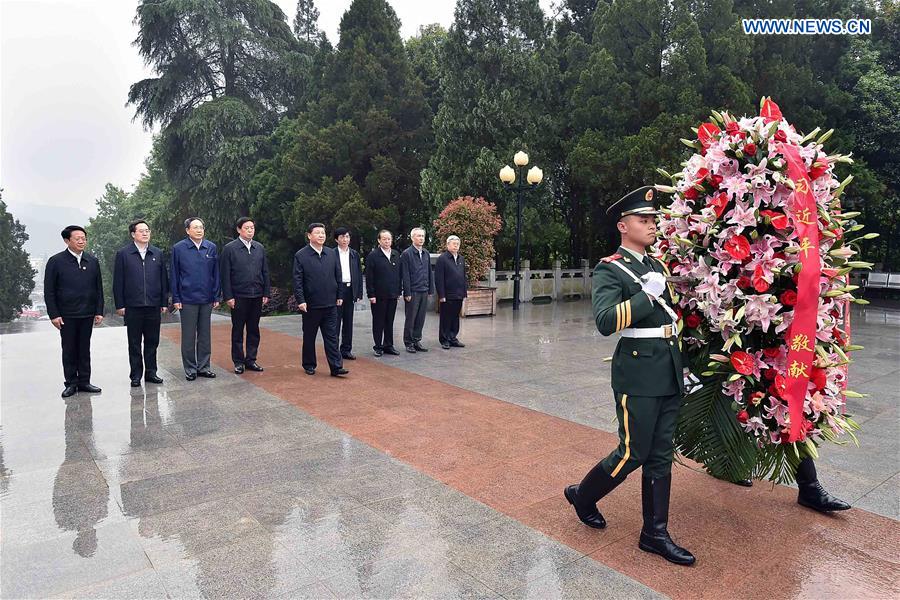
{"x":73,"y":292}
{"x":317,"y":279}
{"x":383,"y":289}
{"x":245,"y":288}
{"x":418,"y":284}
{"x":450,"y":281}
{"x":196,"y":291}
{"x":351,"y":290}
{"x":141,"y":293}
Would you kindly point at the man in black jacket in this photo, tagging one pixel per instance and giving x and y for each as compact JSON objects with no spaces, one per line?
{"x":418,"y":284}
{"x":351,"y":290}
{"x":317,"y":277}
{"x":141,"y":294}
{"x":245,"y":288}
{"x":383,"y":289}
{"x":450,"y":281}
{"x":73,"y":292}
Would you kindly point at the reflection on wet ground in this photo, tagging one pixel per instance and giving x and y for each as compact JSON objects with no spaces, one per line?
{"x":298,"y":487}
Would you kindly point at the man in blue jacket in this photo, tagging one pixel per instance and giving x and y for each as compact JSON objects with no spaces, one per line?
{"x":195,"y":292}
{"x":418,"y":284}
{"x":245,"y":288}
{"x":141,"y":294}
{"x":317,"y":279}
{"x":73,"y":292}
{"x":450,"y":281}
{"x":351,"y":290}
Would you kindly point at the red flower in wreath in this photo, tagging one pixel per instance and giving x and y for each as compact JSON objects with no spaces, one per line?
{"x":692,"y":320}
{"x":742,"y":362}
{"x":718,"y":202}
{"x":769,"y":111}
{"x":818,"y":168}
{"x":750,"y":150}
{"x":707,"y":133}
{"x":818,"y":378}
{"x":738,"y":247}
{"x":743,"y":416}
{"x":759,"y":282}
{"x":788,"y":297}
{"x":779,"y":219}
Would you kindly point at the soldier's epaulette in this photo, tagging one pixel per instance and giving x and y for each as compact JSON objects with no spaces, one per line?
{"x":612,"y":257}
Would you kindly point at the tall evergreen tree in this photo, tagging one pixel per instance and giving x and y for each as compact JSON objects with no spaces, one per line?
{"x":354,"y":156}
{"x":225,"y":71}
{"x":306,"y":22}
{"x":497,"y":87}
{"x":16,"y":274}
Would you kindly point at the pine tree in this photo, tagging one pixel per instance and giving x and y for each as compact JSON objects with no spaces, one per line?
{"x":16,"y":274}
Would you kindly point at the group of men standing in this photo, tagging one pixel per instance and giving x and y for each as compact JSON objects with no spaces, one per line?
{"x":327,"y":284}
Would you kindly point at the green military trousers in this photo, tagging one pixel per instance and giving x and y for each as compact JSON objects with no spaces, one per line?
{"x":646,"y":432}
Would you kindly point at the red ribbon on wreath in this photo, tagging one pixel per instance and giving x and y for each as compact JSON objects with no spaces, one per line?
{"x":801,"y":339}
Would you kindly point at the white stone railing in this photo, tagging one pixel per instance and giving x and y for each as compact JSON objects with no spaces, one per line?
{"x":556,"y":283}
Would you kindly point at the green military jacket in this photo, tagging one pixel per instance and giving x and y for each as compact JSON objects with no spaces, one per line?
{"x":640,"y":366}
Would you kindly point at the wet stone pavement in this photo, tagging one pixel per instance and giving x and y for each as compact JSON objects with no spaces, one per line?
{"x":282,"y":485}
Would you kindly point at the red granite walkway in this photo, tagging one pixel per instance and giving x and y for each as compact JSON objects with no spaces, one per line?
{"x":750,"y":543}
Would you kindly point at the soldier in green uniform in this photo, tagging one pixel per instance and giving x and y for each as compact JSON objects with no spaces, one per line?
{"x":630,"y":297}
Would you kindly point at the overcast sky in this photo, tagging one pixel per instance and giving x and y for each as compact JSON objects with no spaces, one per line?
{"x":65,"y":70}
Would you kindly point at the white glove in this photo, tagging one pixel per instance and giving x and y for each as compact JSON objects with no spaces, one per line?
{"x":654,"y":284}
{"x":691,"y":383}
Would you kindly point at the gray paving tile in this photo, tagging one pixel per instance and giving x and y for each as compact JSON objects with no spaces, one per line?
{"x":254,"y":567}
{"x":144,"y":584}
{"x":186,"y":532}
{"x":883,"y":500}
{"x":436,"y":507}
{"x":410,"y":574}
{"x":502,"y":553}
{"x":92,"y":556}
{"x":144,"y":464}
{"x":584,"y":578}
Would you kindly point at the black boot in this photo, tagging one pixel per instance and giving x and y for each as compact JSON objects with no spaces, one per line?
{"x":655,"y":535}
{"x":812,"y":494}
{"x":585,"y":495}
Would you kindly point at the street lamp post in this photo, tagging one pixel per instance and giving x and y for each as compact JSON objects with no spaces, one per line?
{"x":508,"y":176}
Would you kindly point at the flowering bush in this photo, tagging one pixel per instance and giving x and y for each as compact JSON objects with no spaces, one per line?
{"x":758,"y":244}
{"x":476,"y":223}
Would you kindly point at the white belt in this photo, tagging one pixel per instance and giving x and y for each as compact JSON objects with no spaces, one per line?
{"x":666,"y":331}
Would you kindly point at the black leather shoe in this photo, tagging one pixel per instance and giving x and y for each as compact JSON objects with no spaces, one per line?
{"x":254,"y":367}
{"x":90,"y":389}
{"x":339,"y":372}
{"x":69,"y":391}
{"x":743,"y":482}
{"x":591,"y":518}
{"x":191,"y":376}
{"x":135,"y":383}
{"x":238,"y":369}
{"x":457,"y":344}
{"x":392,"y":351}
{"x":378,"y":352}
{"x":419,"y":347}
{"x":153,"y":379}
{"x":348,"y":356}
{"x":814,"y":496}
{"x":445,"y":345}
{"x":654,"y":534}
{"x":410,"y":349}
{"x":207,"y":374}
{"x":309,"y":371}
